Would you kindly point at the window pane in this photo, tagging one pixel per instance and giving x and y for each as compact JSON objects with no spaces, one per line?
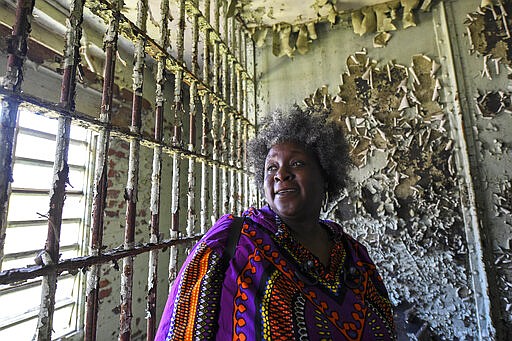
{"x":17,"y":306}
{"x":22,"y":331}
{"x":64,"y":320}
{"x":27,"y":207}
{"x":19,"y":262}
{"x":28,"y":227}
{"x":24,"y":206}
{"x":35,"y":147}
{"x":33,"y":237}
{"x":30,"y":120}
{"x":32,"y":176}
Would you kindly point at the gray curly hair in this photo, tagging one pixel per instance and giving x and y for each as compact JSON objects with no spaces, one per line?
{"x":309,"y":128}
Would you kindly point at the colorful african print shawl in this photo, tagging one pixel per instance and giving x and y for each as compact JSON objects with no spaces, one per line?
{"x":275,"y":289}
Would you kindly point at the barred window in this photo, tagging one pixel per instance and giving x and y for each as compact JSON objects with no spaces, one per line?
{"x":27,"y":226}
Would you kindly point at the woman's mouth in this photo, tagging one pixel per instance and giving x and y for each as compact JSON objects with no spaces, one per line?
{"x":285,"y":191}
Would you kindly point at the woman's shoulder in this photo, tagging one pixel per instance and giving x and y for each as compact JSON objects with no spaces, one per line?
{"x":216,"y":237}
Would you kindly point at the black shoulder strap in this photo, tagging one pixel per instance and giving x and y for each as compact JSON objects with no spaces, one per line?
{"x":234,"y":235}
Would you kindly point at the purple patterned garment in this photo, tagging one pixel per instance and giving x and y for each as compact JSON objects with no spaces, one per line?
{"x":275,"y":289}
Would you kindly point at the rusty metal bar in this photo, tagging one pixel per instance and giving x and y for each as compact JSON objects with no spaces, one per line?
{"x":100,"y":177}
{"x":244,"y":112}
{"x":44,"y":107}
{"x":215,"y":113}
{"x":205,"y":124}
{"x":60,"y":169}
{"x":250,"y":95}
{"x":73,"y":264}
{"x":13,"y":79}
{"x":233,"y":103}
{"x":193,"y":107}
{"x":231,"y":156}
{"x":247,"y":195}
{"x":177,"y":141}
{"x":239,"y":186}
{"x":225,"y":116}
{"x":131,"y":191}
{"x":239,"y":105}
{"x":156,"y":178}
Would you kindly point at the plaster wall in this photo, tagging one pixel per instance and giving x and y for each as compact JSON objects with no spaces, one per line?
{"x":450,"y":262}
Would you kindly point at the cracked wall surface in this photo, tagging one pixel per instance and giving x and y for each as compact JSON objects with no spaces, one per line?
{"x":489,"y":37}
{"x":428,"y":119}
{"x":404,"y":202}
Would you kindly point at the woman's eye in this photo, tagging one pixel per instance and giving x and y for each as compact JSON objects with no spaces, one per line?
{"x":297,"y":163}
{"x":271,"y":168}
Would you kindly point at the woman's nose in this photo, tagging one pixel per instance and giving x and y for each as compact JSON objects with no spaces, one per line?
{"x":283,"y":174}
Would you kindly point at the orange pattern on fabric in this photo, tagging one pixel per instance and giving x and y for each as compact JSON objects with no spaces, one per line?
{"x":189,"y":296}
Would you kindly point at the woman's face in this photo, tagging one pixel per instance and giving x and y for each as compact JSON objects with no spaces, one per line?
{"x":293,"y":184}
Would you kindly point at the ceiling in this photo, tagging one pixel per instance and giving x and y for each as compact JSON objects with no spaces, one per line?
{"x":257,"y":13}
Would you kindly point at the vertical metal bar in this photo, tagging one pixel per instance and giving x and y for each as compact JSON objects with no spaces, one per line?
{"x":239,"y":173}
{"x":225,"y":115}
{"x":193,"y":107}
{"x":245,"y":114}
{"x":232,"y":161}
{"x":100,"y":177}
{"x":156,"y":177}
{"x":239,"y":140}
{"x":205,"y":125}
{"x":232,"y":118}
{"x":17,"y":52}
{"x":132,"y":183}
{"x":60,"y":168}
{"x":178,"y":114}
{"x":215,"y":114}
{"x":247,"y":194}
{"x":251,"y":93}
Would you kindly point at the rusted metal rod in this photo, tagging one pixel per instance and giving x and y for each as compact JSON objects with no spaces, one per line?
{"x":177,"y":141}
{"x":60,"y":169}
{"x":205,"y":124}
{"x":225,"y":116}
{"x":232,"y":124}
{"x":72,"y":265}
{"x":132,"y":184}
{"x":156,"y":178}
{"x":13,"y":79}
{"x":100,"y":178}
{"x":215,"y":114}
{"x":193,"y":107}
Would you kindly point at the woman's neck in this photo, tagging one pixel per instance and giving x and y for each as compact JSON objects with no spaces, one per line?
{"x":313,"y":236}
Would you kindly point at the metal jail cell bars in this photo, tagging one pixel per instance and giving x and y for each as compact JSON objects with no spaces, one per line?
{"x":12,"y":81}
{"x":100,"y":177}
{"x":156,"y":178}
{"x":208,"y":93}
{"x":60,"y":169}
{"x":131,"y":191}
{"x":205,"y":123}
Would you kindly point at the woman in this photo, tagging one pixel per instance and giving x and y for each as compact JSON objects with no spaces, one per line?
{"x":293,"y":276}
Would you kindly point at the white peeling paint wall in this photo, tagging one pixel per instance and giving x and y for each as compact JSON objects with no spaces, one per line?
{"x":449,"y":255}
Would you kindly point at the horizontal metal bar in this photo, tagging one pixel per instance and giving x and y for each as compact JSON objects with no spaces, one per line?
{"x":46,"y":108}
{"x":73,"y":265}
